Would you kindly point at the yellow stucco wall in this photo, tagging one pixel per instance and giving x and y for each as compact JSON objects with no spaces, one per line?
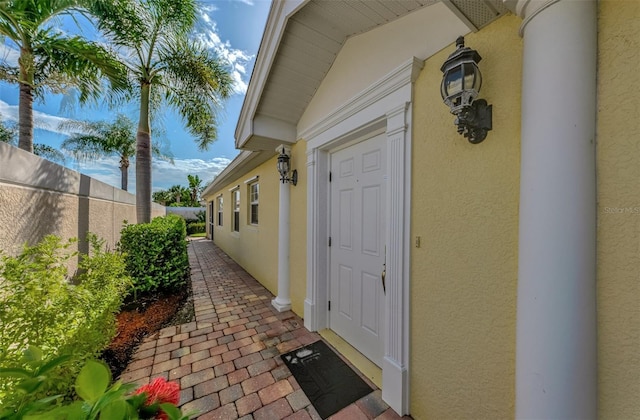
{"x":255,"y":248}
{"x":618,"y":252}
{"x":298,"y":238}
{"x":465,"y":211}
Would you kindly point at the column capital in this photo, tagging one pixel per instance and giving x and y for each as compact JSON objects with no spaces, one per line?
{"x":527,"y":9}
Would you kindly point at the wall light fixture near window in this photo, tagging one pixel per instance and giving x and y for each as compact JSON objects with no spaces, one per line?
{"x":461,"y":83}
{"x":284,"y":166}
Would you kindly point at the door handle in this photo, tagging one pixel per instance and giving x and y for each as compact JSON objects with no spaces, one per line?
{"x":383,"y":276}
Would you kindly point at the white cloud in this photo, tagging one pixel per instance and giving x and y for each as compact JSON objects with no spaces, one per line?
{"x":164,"y":174}
{"x":9,"y":55}
{"x":237,"y":59}
{"x":41,"y":120}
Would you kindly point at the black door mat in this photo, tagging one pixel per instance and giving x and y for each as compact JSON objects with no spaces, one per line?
{"x":327,"y":381}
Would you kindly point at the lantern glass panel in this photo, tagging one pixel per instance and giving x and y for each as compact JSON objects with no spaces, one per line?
{"x":453,"y":81}
{"x":469,"y":76}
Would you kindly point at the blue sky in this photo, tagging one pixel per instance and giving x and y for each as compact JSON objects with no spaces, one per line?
{"x":231,"y":28}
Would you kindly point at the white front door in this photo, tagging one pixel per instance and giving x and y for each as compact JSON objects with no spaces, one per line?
{"x":358,"y":245}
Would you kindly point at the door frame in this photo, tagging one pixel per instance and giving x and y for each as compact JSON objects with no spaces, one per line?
{"x":384,"y":107}
{"x":370,"y":136}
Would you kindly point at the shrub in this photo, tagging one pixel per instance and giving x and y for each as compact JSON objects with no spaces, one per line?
{"x":156,"y":254}
{"x":40,"y":305}
{"x":195,"y":227}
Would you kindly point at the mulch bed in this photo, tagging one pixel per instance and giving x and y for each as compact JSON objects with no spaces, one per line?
{"x":143,"y":317}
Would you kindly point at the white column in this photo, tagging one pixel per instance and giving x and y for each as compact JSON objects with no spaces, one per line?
{"x":556,"y":364}
{"x":282,"y":302}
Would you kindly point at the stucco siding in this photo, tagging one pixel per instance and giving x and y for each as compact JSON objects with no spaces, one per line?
{"x":39,"y":198}
{"x":618,"y":251}
{"x":366,"y":58}
{"x":255,"y":248}
{"x":465,"y":212}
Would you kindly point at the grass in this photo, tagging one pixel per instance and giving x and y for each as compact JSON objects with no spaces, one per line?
{"x":198,"y":235}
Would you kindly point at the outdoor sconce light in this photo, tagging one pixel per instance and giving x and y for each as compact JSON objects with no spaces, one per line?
{"x":284,"y":166}
{"x":460,"y":87}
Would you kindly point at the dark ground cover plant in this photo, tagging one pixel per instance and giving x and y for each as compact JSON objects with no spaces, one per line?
{"x":42,"y":305}
{"x":156,"y":254}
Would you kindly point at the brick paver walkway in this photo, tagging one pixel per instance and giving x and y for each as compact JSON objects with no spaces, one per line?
{"x":227,"y":361}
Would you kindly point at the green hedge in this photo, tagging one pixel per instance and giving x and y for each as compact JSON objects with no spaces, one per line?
{"x":156,"y":254}
{"x":41,"y":305}
{"x":195,"y":227}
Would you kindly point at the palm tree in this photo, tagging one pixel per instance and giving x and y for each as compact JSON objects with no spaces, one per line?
{"x":153,"y":38}
{"x":195,"y":186}
{"x":97,"y":139}
{"x":49,"y":59}
{"x":9,"y":134}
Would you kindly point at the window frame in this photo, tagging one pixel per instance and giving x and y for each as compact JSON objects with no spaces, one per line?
{"x":235,"y":215}
{"x":254,"y":202}
{"x":220,"y":211}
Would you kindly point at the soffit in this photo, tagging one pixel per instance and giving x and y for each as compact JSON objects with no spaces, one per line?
{"x":311,"y":38}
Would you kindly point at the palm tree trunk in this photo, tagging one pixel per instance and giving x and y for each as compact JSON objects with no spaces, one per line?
{"x":143,"y":159}
{"x":25,"y":118}
{"x":124,"y":172}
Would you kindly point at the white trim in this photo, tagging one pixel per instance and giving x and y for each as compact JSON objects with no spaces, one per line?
{"x":275,"y":26}
{"x":384,"y":105}
{"x":235,"y":187}
{"x":253,"y":179}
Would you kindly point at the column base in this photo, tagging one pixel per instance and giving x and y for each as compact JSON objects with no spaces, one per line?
{"x":395,"y":386}
{"x":281,"y":305}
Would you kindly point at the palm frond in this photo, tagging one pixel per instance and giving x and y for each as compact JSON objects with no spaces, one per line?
{"x":197,"y":82}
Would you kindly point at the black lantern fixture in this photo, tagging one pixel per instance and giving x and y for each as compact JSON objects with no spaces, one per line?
{"x":460,"y":87}
{"x":284,"y":167}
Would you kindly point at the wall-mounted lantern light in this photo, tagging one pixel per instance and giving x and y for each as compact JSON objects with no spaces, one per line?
{"x":460,"y":87}
{"x":284,"y":166}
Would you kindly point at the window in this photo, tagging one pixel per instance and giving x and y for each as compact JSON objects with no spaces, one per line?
{"x":253,"y":203}
{"x":220,"y":211}
{"x":236,"y":209}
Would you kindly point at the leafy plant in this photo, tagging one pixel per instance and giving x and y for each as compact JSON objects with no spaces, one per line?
{"x":97,"y":399}
{"x":156,"y":253}
{"x":195,"y":227}
{"x":42,"y":305}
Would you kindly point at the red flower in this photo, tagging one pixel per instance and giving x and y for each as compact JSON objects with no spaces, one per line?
{"x":158,"y":392}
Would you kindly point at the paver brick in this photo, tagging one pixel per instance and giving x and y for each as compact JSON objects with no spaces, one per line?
{"x":196,"y":377}
{"x":211,"y":386}
{"x":206,"y":363}
{"x":298,"y":400}
{"x":226,"y":412}
{"x":248,"y":404}
{"x":276,"y":410}
{"x":224,"y":368}
{"x":274,"y":392}
{"x":186,"y":395}
{"x":129,"y":376}
{"x":202,"y":405}
{"x":240,"y":343}
{"x":165,"y":366}
{"x":252,"y":348}
{"x":350,"y":412}
{"x":230,"y":356}
{"x":179,"y":372}
{"x":299,"y":415}
{"x":223,"y":348}
{"x":247,"y":360}
{"x":257,"y":383}
{"x":194,"y":340}
{"x":238,"y":376}
{"x":194,"y":357}
{"x":261,"y":367}
{"x":183,"y":351}
{"x":231,"y":394}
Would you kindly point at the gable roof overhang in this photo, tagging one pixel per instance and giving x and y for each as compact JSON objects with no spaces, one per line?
{"x":302,"y":38}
